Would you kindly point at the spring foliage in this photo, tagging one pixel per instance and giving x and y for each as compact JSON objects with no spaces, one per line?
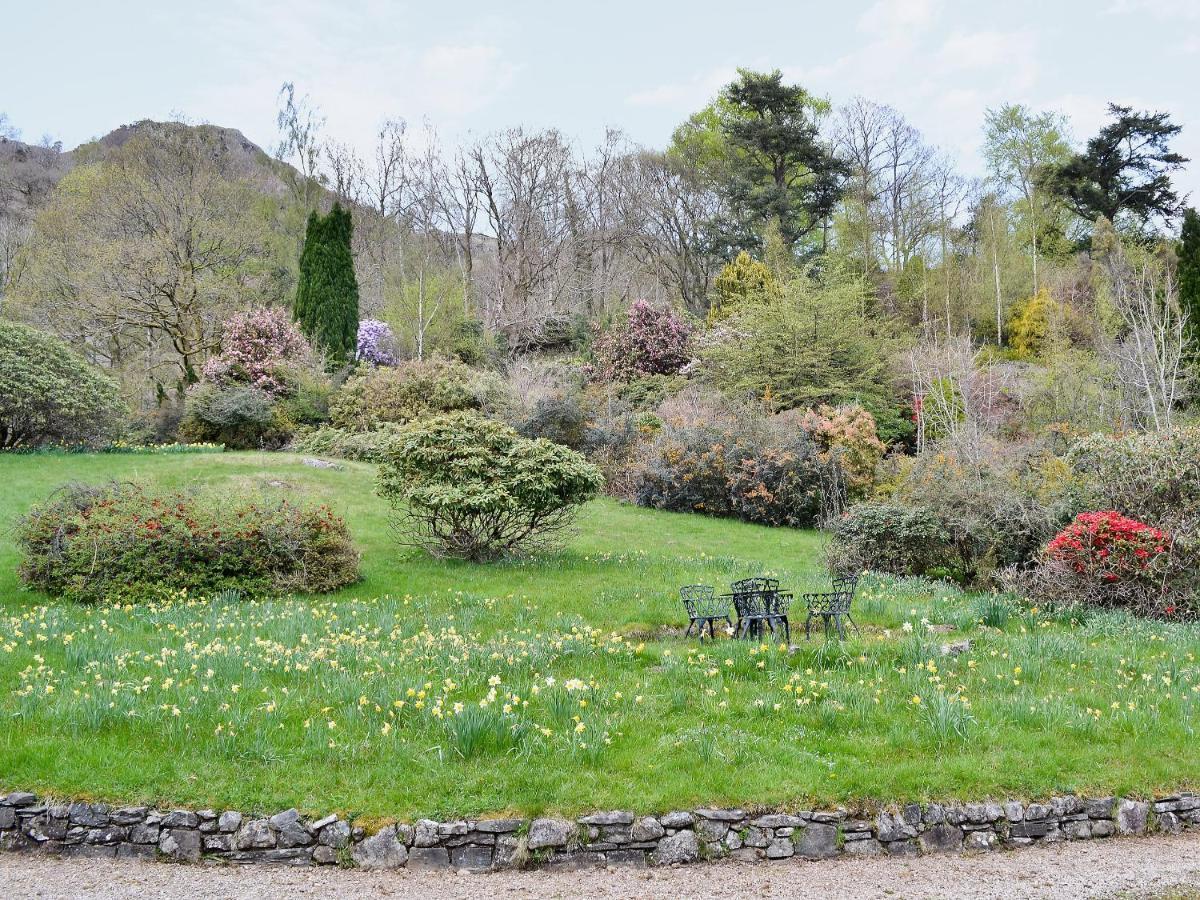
{"x":470,"y":488}
{"x":50,"y":394}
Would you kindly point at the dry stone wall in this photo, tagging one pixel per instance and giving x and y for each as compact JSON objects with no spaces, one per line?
{"x":616,"y":837}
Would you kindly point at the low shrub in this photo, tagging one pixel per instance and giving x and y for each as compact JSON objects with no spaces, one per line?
{"x":847,"y":434}
{"x":49,"y":394}
{"x":471,"y":488}
{"x":1107,"y":547}
{"x":988,"y":503}
{"x":779,"y":485}
{"x":364,"y":446}
{"x":895,"y":538}
{"x":560,"y":418}
{"x":1106,"y":559}
{"x":414,"y":389}
{"x":722,"y":460}
{"x":240,"y":416}
{"x":126,"y":541}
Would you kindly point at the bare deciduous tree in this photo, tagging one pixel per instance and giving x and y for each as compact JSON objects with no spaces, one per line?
{"x":1153,"y":346}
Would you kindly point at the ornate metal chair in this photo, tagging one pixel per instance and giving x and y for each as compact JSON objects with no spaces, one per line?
{"x":703,"y":608}
{"x":832,"y":607}
{"x":758,"y":602}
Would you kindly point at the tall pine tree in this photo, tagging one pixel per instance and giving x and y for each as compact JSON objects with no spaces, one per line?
{"x":1189,"y":276}
{"x":326,"y":306}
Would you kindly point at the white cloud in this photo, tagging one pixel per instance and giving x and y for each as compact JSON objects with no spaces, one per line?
{"x":1162,"y":9}
{"x":889,"y":16}
{"x":691,"y":94}
{"x":458,"y":80}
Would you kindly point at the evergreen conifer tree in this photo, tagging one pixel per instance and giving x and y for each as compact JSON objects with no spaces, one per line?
{"x":326,"y":307}
{"x":1189,"y":276}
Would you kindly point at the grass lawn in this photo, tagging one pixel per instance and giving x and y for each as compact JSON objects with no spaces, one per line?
{"x":440,"y":688}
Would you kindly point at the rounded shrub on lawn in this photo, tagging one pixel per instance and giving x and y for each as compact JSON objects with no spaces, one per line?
{"x":471,"y":488}
{"x":889,"y":537}
{"x":50,"y":394}
{"x":126,"y":541}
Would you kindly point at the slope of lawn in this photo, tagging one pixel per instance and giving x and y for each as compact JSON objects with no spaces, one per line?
{"x":440,"y":688}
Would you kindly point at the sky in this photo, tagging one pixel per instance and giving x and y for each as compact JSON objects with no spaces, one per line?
{"x":76,"y":70}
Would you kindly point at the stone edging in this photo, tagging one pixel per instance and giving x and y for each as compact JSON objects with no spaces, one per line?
{"x":603,"y":838}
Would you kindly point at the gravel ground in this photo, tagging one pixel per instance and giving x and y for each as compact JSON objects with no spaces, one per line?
{"x":1137,"y":867}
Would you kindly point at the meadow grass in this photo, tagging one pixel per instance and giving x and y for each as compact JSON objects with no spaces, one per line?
{"x":436,"y":688}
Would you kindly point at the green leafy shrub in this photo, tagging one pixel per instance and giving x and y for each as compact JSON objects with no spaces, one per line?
{"x":49,"y":394}
{"x":467,"y":487}
{"x":1154,"y":477}
{"x":365,"y":446}
{"x":560,"y":418}
{"x":993,"y":507}
{"x":240,"y":416}
{"x":649,"y":391}
{"x":895,"y":538}
{"x":399,"y":394}
{"x":125,"y":541}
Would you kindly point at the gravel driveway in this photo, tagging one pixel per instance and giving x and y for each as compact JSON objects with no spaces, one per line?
{"x":1135,"y":867}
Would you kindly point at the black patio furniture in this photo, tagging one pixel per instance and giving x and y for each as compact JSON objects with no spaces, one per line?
{"x":704,"y":608}
{"x":758,"y":602}
{"x":832,"y":607}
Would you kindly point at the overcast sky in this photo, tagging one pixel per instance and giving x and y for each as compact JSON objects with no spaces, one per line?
{"x":76,"y":70}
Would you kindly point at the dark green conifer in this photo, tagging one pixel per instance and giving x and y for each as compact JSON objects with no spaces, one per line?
{"x":326,"y":307}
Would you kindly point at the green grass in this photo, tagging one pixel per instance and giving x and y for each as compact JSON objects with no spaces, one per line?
{"x":597,"y":700}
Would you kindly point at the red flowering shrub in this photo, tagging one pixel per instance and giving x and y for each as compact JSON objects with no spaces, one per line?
{"x":1108,"y":547}
{"x":1112,"y":560}
{"x":652,"y":341}
{"x":123,"y":541}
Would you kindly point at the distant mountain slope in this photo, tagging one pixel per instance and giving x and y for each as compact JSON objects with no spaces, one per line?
{"x":29,"y":172}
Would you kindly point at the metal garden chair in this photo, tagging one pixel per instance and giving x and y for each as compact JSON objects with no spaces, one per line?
{"x":703,"y":608}
{"x":832,"y":607}
{"x":758,"y":602}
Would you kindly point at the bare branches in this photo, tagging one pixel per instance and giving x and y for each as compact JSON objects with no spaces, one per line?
{"x":1154,"y":344}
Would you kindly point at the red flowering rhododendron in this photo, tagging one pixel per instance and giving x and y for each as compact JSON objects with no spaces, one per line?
{"x":1108,"y":546}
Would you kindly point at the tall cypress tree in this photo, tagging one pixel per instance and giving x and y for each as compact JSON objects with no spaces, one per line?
{"x":326,"y":307}
{"x":1189,"y":276}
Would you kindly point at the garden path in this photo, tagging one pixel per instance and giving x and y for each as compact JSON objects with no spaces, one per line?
{"x":1125,"y":868}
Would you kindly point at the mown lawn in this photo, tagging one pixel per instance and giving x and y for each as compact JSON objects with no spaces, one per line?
{"x":438,"y":688}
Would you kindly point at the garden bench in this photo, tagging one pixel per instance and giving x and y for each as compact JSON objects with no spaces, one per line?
{"x":703,"y":608}
{"x":758,"y":602}
{"x":832,"y":607}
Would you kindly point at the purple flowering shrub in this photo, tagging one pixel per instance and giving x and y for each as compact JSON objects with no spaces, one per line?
{"x":259,"y":348}
{"x":376,"y":343}
{"x":652,"y":340}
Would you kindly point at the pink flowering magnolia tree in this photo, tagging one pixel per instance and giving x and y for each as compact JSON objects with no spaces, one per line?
{"x":260,"y":348}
